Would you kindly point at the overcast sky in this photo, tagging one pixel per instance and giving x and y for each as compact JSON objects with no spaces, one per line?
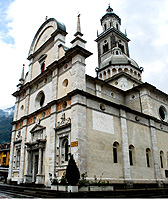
{"x":146,"y":22}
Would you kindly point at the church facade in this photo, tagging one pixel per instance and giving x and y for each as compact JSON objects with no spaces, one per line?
{"x":115,"y":125}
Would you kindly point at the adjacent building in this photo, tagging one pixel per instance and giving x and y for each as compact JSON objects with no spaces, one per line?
{"x":115,"y":125}
{"x":4,"y":160}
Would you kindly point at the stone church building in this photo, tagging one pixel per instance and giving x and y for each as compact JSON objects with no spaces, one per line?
{"x":115,"y":125}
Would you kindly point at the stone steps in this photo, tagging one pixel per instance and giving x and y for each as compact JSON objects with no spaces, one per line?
{"x":20,"y":191}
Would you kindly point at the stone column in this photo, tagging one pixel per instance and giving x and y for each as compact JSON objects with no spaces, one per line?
{"x":156,"y":157}
{"x":27,"y":162}
{"x":39,"y":161}
{"x":125,"y":148}
{"x":28,"y":176}
{"x":40,"y":176}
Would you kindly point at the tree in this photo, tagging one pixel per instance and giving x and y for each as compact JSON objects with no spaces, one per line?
{"x":72,"y":172}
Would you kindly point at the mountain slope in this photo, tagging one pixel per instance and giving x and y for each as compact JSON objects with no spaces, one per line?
{"x":6,"y":117}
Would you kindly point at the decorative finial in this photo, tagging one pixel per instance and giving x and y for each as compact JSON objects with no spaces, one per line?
{"x":22,"y":75}
{"x":78,"y":14}
{"x":46,"y":18}
{"x":78,"y":23}
{"x":125,"y":32}
{"x":109,"y":9}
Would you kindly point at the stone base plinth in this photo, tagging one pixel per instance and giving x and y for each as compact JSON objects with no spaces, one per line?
{"x":72,"y":188}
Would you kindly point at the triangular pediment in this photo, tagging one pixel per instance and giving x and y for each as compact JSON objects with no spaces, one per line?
{"x":36,"y":128}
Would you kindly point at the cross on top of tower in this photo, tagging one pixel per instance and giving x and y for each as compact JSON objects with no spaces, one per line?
{"x":109,"y":9}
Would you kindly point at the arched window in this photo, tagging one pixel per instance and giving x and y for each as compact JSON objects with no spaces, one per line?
{"x":115,"y":152}
{"x":121,"y":47}
{"x":39,"y":101}
{"x":131,"y":150}
{"x":64,"y":150}
{"x":42,"y":67}
{"x":117,"y":26}
{"x":161,"y":159}
{"x":105,"y":26}
{"x":114,"y":71}
{"x":108,"y":72}
{"x":148,"y":157}
{"x":104,"y":75}
{"x":105,"y":47}
{"x":100,"y":76}
{"x":18,"y":157}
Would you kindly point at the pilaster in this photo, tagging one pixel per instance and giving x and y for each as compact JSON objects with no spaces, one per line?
{"x":30,"y":69}
{"x":156,"y":157}
{"x":98,"y":90}
{"x":78,"y":131}
{"x":125,"y":147}
{"x":58,"y":39}
{"x":16,"y":109}
{"x":78,"y":73}
{"x":22,"y":155}
{"x":27,"y":101}
{"x":52,"y":145}
{"x":54,"y":84}
{"x":11,"y":153}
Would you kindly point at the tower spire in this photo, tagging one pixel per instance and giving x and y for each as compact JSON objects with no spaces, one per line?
{"x":78,"y":35}
{"x":78,"y":29}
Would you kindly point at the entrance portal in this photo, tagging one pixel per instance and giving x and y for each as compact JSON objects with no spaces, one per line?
{"x":35,"y":166}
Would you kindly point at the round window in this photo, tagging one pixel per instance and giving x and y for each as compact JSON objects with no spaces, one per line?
{"x":65,"y":83}
{"x":64,"y":104}
{"x":39,"y":102}
{"x":102,"y":107}
{"x":22,"y":107}
{"x":162,"y":112}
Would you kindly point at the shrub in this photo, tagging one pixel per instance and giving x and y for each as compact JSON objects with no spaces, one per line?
{"x":63,"y":180}
{"x":54,"y":180}
{"x":72,"y":172}
{"x":83,"y":180}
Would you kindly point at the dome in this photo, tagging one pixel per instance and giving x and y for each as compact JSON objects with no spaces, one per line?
{"x":118,"y":58}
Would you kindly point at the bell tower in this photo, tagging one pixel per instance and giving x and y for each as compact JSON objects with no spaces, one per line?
{"x":114,"y":61}
{"x":111,"y":36}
